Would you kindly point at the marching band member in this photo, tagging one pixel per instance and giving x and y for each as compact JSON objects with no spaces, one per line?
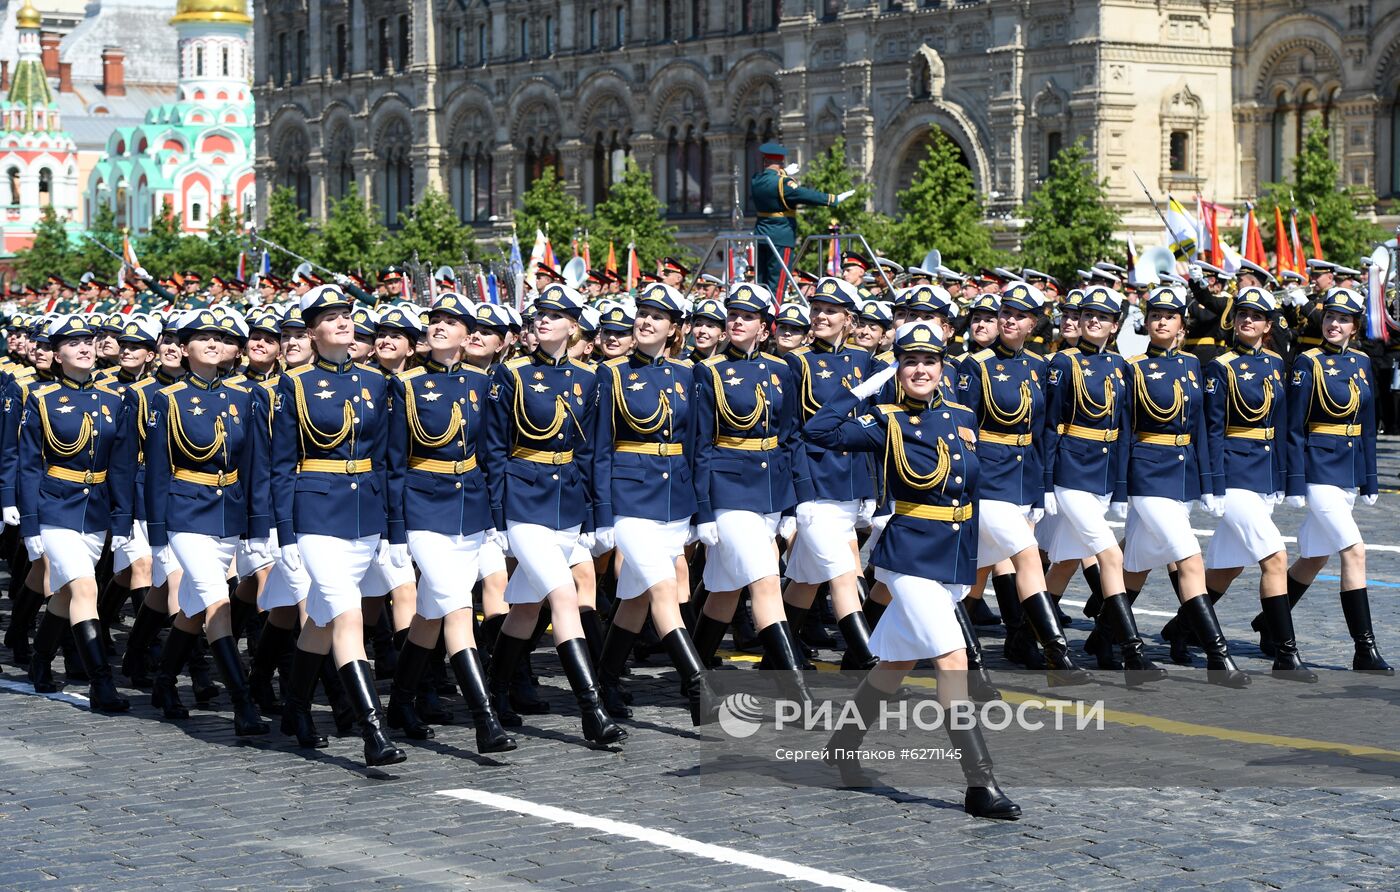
{"x":644,"y":489}
{"x":1086,"y":463}
{"x":928,"y":552}
{"x":1332,"y":459}
{"x":74,"y":487}
{"x":1168,"y":469}
{"x":1245,"y":418}
{"x":329,"y":490}
{"x":1003,"y":386}
{"x":441,"y":502}
{"x":203,"y":494}
{"x":538,"y":462}
{"x":749,"y":472}
{"x":842,"y":487}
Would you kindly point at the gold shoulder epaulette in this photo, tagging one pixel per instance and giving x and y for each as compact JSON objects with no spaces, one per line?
{"x":713,"y":359}
{"x":615,"y":362}
{"x":173,"y":388}
{"x":984,"y":354}
{"x":366,"y":367}
{"x":517,"y":362}
{"x":415,"y":372}
{"x":773,"y":356}
{"x":890,"y":408}
{"x":300,"y":370}
{"x":586,"y":366}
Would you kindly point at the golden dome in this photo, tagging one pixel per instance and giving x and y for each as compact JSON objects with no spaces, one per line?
{"x":28,"y":16}
{"x":233,"y":12}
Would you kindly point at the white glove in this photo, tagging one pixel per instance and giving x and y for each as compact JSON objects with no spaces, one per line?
{"x":1275,"y":498}
{"x":10,"y":515}
{"x":792,"y":169}
{"x":141,"y":271}
{"x":1297,"y":297}
{"x":1213,"y":504}
{"x":871,"y":386}
{"x":259,"y":548}
{"x":1296,"y":501}
{"x":606,"y":537}
{"x":1369,"y":500}
{"x":787,"y":526}
{"x":291,"y":557}
{"x":845,"y":195}
{"x":1036,"y":515}
{"x":498,"y":539}
{"x":1052,"y":504}
{"x":708,"y":533}
{"x":34,"y":547}
{"x":342,"y":279}
{"x":398,"y":555}
{"x":1118,"y":510}
{"x":585,"y":540}
{"x":118,"y":542}
{"x":1194,"y":271}
{"x":865,"y":515}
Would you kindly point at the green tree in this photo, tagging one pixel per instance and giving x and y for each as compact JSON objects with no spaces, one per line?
{"x":353,"y":239}
{"x":50,"y":254}
{"x":550,"y":208}
{"x":631,"y":213}
{"x":942,"y":209}
{"x":286,"y":224}
{"x":159,"y":249}
{"x":103,"y":228}
{"x":1342,"y":211}
{"x":430,"y":229}
{"x":1069,"y":221}
{"x":223,"y":243}
{"x":830,"y":172}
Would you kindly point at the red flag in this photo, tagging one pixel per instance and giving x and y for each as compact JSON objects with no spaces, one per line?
{"x":612,"y":259}
{"x":1252,"y":240}
{"x":1282,"y":257}
{"x":1316,"y":239}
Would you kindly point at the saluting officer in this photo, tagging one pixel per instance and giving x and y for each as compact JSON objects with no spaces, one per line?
{"x":1332,"y":460}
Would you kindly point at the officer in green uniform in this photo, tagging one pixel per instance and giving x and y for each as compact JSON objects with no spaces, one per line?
{"x":776,"y":197}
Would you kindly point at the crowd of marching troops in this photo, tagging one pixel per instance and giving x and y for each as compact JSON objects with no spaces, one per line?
{"x":298,"y":476}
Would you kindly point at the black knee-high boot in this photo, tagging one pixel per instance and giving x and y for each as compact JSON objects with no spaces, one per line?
{"x":1020,"y":644}
{"x":979,"y":682}
{"x":617,"y":647}
{"x":1288,"y":664}
{"x":25,"y":606}
{"x":102,"y":691}
{"x":857,"y":636}
{"x":704,"y":705}
{"x":796,"y":617}
{"x":977,"y":611}
{"x":1117,"y":613}
{"x":509,"y":652}
{"x":296,"y":714}
{"x":273,"y":643}
{"x":1099,"y":644}
{"x":433,"y":676}
{"x":873,"y":610}
{"x":136,"y":662}
{"x":73,"y":669}
{"x":240,"y":612}
{"x":598,"y":727}
{"x":1041,"y":619}
{"x":381,"y":636}
{"x":109,"y":608}
{"x":593,"y":632}
{"x":246,"y":721}
{"x":524,"y":690}
{"x":1095,"y":583}
{"x":745,"y":636}
{"x":1220,"y":668}
{"x":984,"y":799}
{"x":342,"y":710}
{"x":471,"y":678}
{"x":1178,"y":633}
{"x":358,"y":681}
{"x":1260,"y":624}
{"x":843,"y":748}
{"x":205,"y":688}
{"x":165,"y":691}
{"x":486,"y":640}
{"x":47,"y":639}
{"x":407,"y":673}
{"x":784,"y":660}
{"x":709,"y":632}
{"x":1357,"y":609}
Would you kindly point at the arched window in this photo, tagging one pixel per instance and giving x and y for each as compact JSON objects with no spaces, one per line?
{"x":525,"y":38}
{"x":398,"y":172}
{"x":223,"y":65}
{"x":199,"y":61}
{"x":474,"y":184}
{"x":459,"y":46}
{"x":302,"y":60}
{"x":668,"y":20}
{"x":1278,"y":138}
{"x":610,"y":151}
{"x":383,"y":46}
{"x":620,"y":26}
{"x":342,"y":51}
{"x":339,"y":171}
{"x":549,"y":35}
{"x":196,"y":212}
{"x":539,"y":155}
{"x":483,"y":47}
{"x":592,"y":29}
{"x":758,"y":133}
{"x":688,"y":161}
{"x":696,"y":9}
{"x":405,"y":42}
{"x":45,"y":188}
{"x":12,"y":178}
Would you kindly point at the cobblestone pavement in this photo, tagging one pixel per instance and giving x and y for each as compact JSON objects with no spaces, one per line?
{"x":132,"y":802}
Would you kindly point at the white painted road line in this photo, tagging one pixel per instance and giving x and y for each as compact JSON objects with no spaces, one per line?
{"x":24,"y":687}
{"x":1137,"y":611}
{"x":785,"y":869}
{"x":1206,"y":534}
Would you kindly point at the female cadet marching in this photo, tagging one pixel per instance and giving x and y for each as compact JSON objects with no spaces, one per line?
{"x":927,"y":555}
{"x":441,"y":505}
{"x":1168,"y":469}
{"x":841,"y":483}
{"x":1086,"y":461}
{"x":1003,"y":387}
{"x":76,"y":461}
{"x":1331,"y":460}
{"x":205,"y":491}
{"x":750,"y":471}
{"x":329,"y":489}
{"x":1247,"y":424}
{"x":644,"y":489}
{"x":538,"y":463}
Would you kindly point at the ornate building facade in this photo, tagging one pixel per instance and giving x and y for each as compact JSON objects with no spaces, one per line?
{"x":475,"y":98}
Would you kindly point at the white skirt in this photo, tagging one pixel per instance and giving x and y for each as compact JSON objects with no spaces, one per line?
{"x":136,"y":548}
{"x":245,"y":564}
{"x":1003,"y":530}
{"x":72,"y":555}
{"x":448,"y":567}
{"x":649,"y":550}
{"x":337,"y":568}
{"x":745,"y":552}
{"x":205,"y":560}
{"x":283,"y":588}
{"x":383,"y":577}
{"x":821,"y":550}
{"x":1246,"y":534}
{"x":1080,"y":529}
{"x":490,"y":559}
{"x":1329,"y":526}
{"x":919,"y":622}
{"x":543,"y":557}
{"x":1158,"y":532}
